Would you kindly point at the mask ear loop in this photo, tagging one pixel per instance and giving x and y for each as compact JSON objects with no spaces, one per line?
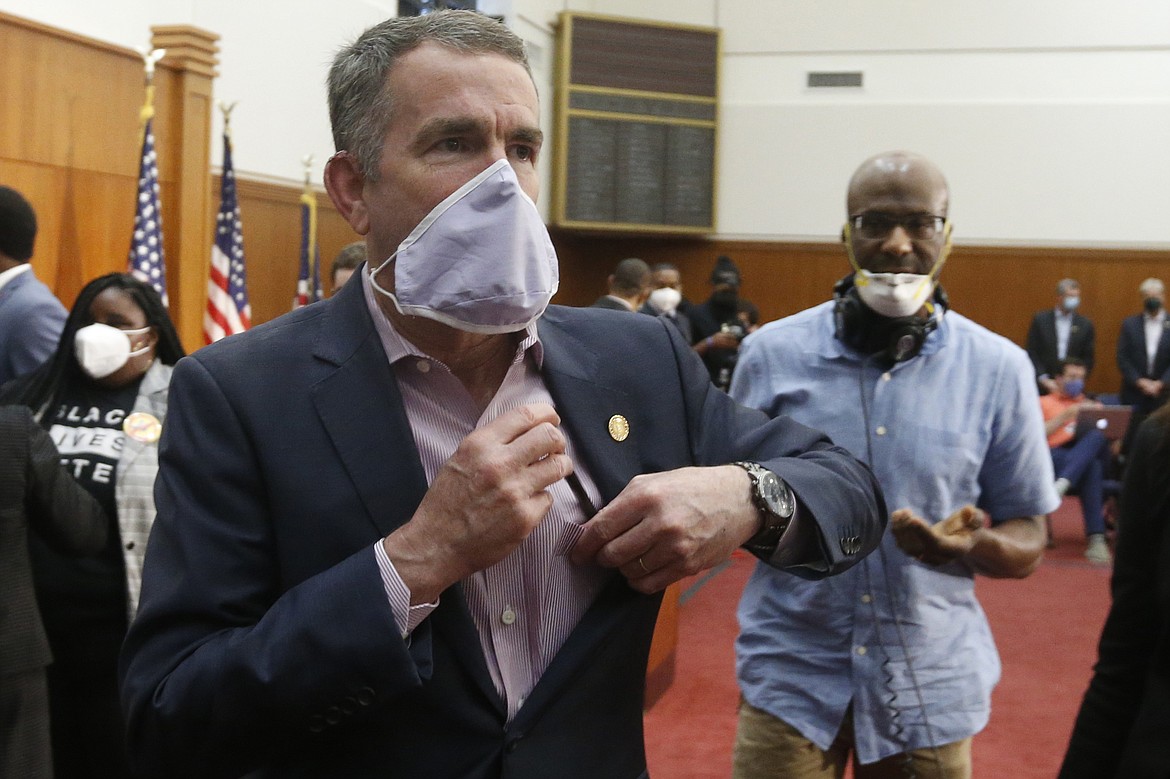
{"x":859,"y":279}
{"x":943,"y":255}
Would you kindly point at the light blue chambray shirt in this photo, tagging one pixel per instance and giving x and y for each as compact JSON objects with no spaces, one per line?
{"x":960,"y":423}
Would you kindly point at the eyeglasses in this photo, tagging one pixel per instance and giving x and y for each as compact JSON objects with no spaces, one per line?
{"x":874,"y":225}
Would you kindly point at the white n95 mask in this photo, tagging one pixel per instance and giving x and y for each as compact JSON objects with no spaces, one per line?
{"x":101,"y":350}
{"x":893,"y":294}
{"x":665,"y":300}
{"x":481,"y":261}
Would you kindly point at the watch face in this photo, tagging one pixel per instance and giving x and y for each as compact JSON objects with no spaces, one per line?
{"x":777,"y":495}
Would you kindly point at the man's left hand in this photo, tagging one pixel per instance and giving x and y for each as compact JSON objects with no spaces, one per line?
{"x":666,"y":526}
{"x":938,"y":543}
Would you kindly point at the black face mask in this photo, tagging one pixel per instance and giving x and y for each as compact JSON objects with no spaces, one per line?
{"x":725,"y":298}
{"x":1152,"y":305}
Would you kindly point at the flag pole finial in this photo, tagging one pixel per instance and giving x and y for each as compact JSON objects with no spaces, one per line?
{"x":150,"y":58}
{"x":226,"y":109}
{"x":307,"y":162}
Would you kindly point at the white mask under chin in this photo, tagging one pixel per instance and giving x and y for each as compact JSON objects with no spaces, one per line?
{"x":893,"y":294}
{"x":102,"y":350}
{"x":481,"y":261}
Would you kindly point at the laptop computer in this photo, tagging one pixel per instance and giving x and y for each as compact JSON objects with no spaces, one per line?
{"x":1113,"y":421}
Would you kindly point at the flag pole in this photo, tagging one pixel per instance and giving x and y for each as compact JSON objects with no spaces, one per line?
{"x":147,"y":261}
{"x":228,"y":310}
{"x":309,"y":198}
{"x":150,"y":58}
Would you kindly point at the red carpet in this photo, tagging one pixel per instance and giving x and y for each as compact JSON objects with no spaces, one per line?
{"x":1046,"y":627}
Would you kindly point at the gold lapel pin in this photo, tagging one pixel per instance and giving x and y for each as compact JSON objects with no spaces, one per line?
{"x":143,"y":427}
{"x":619,"y":428}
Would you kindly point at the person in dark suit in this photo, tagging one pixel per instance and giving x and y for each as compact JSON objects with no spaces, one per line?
{"x":35,"y":492}
{"x":1058,"y":334}
{"x":1143,"y":356}
{"x":1121,"y":728}
{"x":666,"y":298}
{"x":396,"y":571}
{"x":31,"y":317}
{"x":629,"y":286}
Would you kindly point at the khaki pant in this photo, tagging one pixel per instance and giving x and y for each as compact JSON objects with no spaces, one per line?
{"x":769,"y":748}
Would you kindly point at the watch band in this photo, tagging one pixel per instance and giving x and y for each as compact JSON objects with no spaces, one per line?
{"x":773,"y":523}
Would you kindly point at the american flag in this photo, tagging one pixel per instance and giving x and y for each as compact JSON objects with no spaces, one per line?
{"x":309,"y":279}
{"x":228,"y":309}
{"x":146,"y":249}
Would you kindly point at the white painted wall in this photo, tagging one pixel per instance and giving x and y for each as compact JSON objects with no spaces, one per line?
{"x":1050,"y":117}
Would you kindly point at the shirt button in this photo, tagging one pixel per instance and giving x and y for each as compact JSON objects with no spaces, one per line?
{"x":130,"y":546}
{"x":861,"y":651}
{"x":886,"y":376}
{"x":508,"y":616}
{"x":866,"y":598}
{"x":423,"y":366}
{"x":881,"y":430}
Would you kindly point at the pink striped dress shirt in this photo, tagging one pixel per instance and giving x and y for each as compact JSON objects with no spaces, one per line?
{"x":526,"y":605}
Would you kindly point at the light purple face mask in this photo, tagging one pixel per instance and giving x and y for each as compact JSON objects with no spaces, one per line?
{"x":481,"y":261}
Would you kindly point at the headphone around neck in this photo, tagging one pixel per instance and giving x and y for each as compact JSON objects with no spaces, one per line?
{"x":859,"y":327}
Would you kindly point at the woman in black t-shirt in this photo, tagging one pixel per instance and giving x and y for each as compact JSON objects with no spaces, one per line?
{"x":102,"y":397}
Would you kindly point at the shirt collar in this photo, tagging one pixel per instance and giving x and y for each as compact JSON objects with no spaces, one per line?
{"x":833,"y":347}
{"x":12,"y":273}
{"x":398,"y":347}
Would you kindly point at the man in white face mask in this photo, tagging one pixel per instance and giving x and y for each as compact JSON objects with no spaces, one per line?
{"x":421,"y":528}
{"x":666,"y":299}
{"x":946,"y":413}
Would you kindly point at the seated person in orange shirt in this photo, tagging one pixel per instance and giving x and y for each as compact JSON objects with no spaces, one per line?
{"x":1079,"y":461}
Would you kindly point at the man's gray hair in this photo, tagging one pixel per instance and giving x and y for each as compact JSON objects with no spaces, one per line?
{"x":1065,"y":286}
{"x":1151,"y":286}
{"x":360,"y":104}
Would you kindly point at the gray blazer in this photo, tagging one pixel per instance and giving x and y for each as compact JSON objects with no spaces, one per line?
{"x":134,"y":482}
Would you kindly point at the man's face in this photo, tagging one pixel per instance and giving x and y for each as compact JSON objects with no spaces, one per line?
{"x":897,"y":191}
{"x":454,"y":115}
{"x":1070,"y":373}
{"x":666,"y":278}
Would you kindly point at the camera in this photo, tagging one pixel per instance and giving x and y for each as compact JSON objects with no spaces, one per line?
{"x":735,"y":330}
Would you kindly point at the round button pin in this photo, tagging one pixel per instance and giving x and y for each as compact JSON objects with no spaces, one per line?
{"x":142,"y":427}
{"x":619,"y":428}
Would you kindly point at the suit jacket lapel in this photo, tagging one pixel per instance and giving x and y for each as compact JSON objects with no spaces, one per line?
{"x":361,"y":409}
{"x":577,"y":380}
{"x":151,"y":399}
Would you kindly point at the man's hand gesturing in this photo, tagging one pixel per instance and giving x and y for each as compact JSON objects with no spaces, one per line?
{"x":483,"y":502}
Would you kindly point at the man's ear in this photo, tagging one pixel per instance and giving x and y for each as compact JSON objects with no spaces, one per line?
{"x":345,"y":184}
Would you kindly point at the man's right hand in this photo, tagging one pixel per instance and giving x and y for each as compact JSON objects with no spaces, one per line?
{"x":483,"y":502}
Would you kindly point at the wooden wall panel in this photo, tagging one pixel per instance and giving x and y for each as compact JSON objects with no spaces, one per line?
{"x":999,"y":287}
{"x":69,"y":141}
{"x":271,"y":214}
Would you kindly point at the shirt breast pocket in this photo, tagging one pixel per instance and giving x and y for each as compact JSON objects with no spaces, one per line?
{"x":945,"y":468}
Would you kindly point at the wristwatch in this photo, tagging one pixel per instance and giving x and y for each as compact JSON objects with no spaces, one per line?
{"x":776,"y":504}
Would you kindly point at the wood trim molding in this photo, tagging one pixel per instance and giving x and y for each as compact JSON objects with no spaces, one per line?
{"x":191,"y":52}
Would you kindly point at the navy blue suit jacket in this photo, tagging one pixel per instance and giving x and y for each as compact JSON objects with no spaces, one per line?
{"x":1133,"y":364}
{"x":264,"y":639}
